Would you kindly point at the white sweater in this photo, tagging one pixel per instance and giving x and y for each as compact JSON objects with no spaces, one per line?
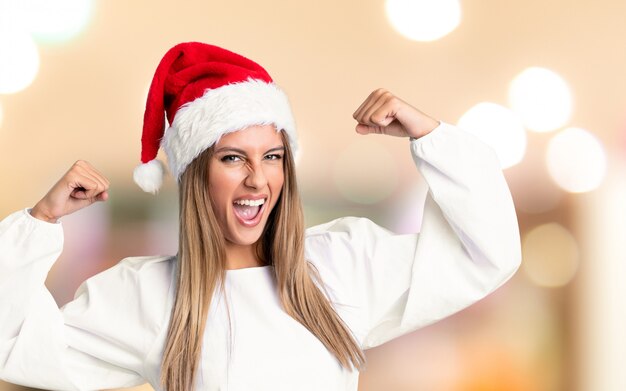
{"x":383,"y":285}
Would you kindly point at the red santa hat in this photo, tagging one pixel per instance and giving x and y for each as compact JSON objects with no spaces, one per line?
{"x":205,"y":91}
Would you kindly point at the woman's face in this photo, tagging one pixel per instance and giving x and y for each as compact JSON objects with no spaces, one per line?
{"x":245,"y":180}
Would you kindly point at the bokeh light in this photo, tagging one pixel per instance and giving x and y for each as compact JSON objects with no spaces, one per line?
{"x":498,"y":127}
{"x":542,"y":99}
{"x":56,"y":20}
{"x":424,"y":20}
{"x":365,"y":172}
{"x":19,"y":59}
{"x":551,"y":255}
{"x":576,"y":160}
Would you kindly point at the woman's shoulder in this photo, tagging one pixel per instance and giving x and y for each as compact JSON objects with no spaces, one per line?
{"x":144,"y":267}
{"x":337,"y":247}
{"x":145,"y":273}
{"x":347,"y":225}
{"x":148,"y":263}
{"x":127,"y":304}
{"x":137,"y":288}
{"x":347,"y":233}
{"x":134,"y":280}
{"x":350,"y":247}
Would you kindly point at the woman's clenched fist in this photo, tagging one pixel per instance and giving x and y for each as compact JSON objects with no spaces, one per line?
{"x":81,"y":186}
{"x":384,"y":113}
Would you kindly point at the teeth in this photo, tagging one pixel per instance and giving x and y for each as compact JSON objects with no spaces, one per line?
{"x":251,"y":202}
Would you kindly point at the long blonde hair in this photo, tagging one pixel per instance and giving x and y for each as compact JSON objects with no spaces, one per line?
{"x":282,"y":240}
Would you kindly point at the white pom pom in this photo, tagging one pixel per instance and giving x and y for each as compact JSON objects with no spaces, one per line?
{"x":149,"y":176}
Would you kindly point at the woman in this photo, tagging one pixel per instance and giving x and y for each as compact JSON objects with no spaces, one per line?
{"x":252,"y":300}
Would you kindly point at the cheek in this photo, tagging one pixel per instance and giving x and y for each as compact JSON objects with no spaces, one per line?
{"x":277,"y":187}
{"x":276,"y":180}
{"x":221,"y":189}
{"x":217,"y":202}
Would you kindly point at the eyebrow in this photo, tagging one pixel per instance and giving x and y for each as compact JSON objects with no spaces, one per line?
{"x":281,"y":148}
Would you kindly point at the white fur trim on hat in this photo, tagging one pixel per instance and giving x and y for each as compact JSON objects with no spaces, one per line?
{"x":199,"y":124}
{"x":149,"y":176}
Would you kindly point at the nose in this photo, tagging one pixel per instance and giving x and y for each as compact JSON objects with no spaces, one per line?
{"x":256,"y":178}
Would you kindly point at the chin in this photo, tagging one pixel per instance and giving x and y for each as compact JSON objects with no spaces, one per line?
{"x":246,"y":238}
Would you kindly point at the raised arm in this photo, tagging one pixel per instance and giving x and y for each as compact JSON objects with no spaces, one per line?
{"x":98,"y":340}
{"x":386,"y":285}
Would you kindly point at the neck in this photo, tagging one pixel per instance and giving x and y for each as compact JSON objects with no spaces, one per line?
{"x":241,"y":256}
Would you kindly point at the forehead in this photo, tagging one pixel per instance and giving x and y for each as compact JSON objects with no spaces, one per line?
{"x":257,"y":137}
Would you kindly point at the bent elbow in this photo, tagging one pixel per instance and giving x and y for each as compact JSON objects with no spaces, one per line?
{"x":514,"y":254}
{"x":509,"y":254}
{"x":507,"y":267}
{"x":513,"y":265}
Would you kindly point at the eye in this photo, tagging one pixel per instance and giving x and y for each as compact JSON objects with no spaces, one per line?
{"x":274,"y":156}
{"x":230,"y":158}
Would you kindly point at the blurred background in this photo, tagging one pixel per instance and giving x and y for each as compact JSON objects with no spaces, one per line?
{"x":540,"y":81}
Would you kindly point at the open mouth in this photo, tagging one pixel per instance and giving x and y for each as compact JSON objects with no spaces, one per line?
{"x":249,"y":214}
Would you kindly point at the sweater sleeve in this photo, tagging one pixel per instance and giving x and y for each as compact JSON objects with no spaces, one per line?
{"x":385,"y":285}
{"x":97,"y":341}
